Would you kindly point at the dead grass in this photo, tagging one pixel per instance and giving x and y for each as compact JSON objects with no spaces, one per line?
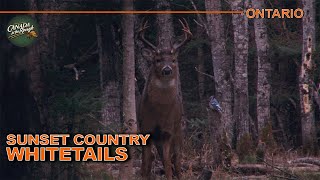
{"x":194,"y":160}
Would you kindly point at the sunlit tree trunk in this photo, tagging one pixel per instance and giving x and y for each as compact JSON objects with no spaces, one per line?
{"x":264,"y":69}
{"x":129,"y":103}
{"x":221,"y":125}
{"x":309,"y":140}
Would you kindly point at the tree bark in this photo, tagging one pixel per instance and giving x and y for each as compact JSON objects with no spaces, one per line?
{"x":142,"y":65}
{"x":201,"y":68}
{"x":241,"y":44}
{"x":264,"y":69}
{"x":221,"y":68}
{"x":309,"y":140}
{"x":164,"y":25}
{"x":129,"y":100}
{"x":36,"y":52}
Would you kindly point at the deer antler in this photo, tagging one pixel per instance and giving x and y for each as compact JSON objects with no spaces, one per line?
{"x":187,"y":34}
{"x":141,"y":32}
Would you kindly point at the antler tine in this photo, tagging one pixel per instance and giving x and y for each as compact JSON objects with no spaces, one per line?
{"x":143,"y":39}
{"x":187,"y":33}
{"x":187,"y":28}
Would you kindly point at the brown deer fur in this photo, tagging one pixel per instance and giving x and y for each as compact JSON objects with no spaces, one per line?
{"x":160,"y":109}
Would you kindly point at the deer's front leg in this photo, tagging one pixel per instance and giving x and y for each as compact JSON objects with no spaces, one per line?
{"x":177,"y":159}
{"x":167,"y":159}
{"x":146,"y":162}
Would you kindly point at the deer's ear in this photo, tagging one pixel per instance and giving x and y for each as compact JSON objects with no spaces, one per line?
{"x":147,"y":53}
{"x":175,"y":53}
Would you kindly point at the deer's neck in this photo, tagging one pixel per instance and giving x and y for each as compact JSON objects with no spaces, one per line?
{"x":162,"y":91}
{"x":166,"y":85}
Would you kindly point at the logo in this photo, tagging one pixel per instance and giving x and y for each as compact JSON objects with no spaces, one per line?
{"x":22,"y":31}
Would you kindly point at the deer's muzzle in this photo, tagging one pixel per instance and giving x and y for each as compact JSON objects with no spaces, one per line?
{"x":166,"y":71}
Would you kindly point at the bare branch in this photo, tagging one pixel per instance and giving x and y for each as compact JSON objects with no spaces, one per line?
{"x":316,"y":94}
{"x":208,"y":75}
{"x":200,"y":18}
{"x":201,"y":25}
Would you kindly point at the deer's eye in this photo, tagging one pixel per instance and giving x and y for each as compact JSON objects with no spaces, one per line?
{"x":173,"y":60}
{"x":158,"y":60}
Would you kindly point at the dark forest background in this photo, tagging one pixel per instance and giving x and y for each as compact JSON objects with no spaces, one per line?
{"x":70,"y":81}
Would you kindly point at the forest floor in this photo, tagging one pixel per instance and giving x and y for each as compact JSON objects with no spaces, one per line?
{"x":286,"y":165}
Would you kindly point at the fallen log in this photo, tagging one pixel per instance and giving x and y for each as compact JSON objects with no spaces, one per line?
{"x":314,"y":161}
{"x":251,"y":169}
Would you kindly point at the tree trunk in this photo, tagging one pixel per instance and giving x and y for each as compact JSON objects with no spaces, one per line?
{"x":221,"y":68}
{"x":164,"y":25}
{"x":142,"y":65}
{"x":129,"y":101}
{"x":166,"y":39}
{"x":264,"y":69}
{"x":36,"y":52}
{"x":241,"y":94}
{"x":309,"y":141}
{"x":109,"y":82}
{"x":201,"y":68}
{"x":241,"y":43}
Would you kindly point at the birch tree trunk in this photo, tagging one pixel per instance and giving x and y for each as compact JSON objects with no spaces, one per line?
{"x":264,"y":69}
{"x":109,"y":82}
{"x":241,"y":94}
{"x":129,"y":100}
{"x":221,"y":125}
{"x":309,"y":140}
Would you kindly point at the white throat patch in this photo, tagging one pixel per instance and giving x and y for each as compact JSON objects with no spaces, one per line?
{"x":165,"y":84}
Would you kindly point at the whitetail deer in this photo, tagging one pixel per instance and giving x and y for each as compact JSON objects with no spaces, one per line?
{"x":160,"y":109}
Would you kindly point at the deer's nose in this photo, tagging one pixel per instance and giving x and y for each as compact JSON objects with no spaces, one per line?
{"x":166,"y":71}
